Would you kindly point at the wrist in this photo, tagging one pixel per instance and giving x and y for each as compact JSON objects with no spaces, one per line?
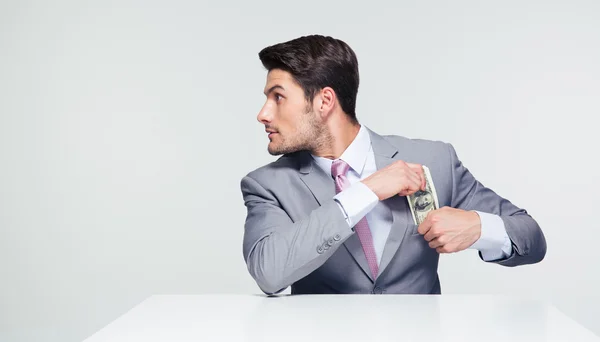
{"x":476,"y":224}
{"x":371,"y":187}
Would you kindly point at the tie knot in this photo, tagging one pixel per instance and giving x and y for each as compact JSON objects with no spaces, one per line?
{"x":339,"y":167}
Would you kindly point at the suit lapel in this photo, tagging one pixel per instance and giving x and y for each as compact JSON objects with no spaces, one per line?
{"x":385,"y":154}
{"x":317,"y":181}
{"x":400,"y":223}
{"x":354,"y":246}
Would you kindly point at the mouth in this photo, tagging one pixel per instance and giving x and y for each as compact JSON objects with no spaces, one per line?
{"x":271,"y":132}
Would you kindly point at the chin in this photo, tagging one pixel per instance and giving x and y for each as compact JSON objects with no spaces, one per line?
{"x":279,"y":150}
{"x":274,"y":151}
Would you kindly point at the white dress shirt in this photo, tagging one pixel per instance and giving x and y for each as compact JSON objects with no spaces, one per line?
{"x":359,"y":201}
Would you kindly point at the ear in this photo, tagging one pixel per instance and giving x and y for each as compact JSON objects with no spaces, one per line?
{"x":328,"y":101}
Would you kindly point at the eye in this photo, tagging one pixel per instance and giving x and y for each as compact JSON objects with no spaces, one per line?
{"x":278,"y":98}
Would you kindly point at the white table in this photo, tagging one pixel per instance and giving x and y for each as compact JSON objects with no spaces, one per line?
{"x":342,"y":318}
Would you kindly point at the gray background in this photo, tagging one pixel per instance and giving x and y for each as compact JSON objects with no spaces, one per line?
{"x":126,"y":126}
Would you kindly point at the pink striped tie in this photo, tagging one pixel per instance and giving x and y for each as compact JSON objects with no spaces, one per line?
{"x":339,"y":169}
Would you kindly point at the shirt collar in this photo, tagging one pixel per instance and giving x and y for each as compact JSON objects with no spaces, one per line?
{"x":355,"y":154}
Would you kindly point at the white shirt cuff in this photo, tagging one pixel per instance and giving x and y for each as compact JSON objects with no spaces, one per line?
{"x":356,"y":202}
{"x":494,"y":243}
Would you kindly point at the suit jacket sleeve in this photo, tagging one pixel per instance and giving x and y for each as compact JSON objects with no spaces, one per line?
{"x":527,"y":239}
{"x":278,"y":251}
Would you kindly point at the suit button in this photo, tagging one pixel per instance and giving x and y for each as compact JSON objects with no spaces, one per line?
{"x":320,"y":250}
{"x":326,"y":246}
{"x":330,"y":242}
{"x":337,"y":237}
{"x":377,"y":290}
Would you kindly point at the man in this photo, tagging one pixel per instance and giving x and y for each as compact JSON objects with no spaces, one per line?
{"x":331,"y":214}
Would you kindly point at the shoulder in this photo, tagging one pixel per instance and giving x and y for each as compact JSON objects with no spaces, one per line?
{"x":399,"y":141}
{"x":419,"y":148}
{"x":284,"y":167}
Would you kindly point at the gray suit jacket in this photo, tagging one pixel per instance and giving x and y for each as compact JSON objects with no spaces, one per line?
{"x":295,"y":233}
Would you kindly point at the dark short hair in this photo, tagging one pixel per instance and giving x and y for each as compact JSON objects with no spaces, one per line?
{"x":316,"y":62}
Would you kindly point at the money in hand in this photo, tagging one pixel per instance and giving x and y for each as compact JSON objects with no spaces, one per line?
{"x":423,"y":201}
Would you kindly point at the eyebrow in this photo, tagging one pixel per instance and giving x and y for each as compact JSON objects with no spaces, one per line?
{"x":277,"y":86}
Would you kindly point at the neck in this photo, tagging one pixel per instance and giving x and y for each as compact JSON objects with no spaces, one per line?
{"x":339,"y":136}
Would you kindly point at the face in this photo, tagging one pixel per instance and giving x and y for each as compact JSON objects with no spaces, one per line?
{"x":290,"y":121}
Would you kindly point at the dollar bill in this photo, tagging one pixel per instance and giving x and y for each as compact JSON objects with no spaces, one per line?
{"x":423,"y":201}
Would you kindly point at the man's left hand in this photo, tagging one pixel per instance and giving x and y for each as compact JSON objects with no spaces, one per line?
{"x":451,"y":230}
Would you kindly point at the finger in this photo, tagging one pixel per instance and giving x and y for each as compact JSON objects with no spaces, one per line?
{"x":416,"y":181}
{"x":418,"y":169}
{"x":411,"y":183}
{"x":427,"y":223}
{"x":444,"y":249}
{"x":431,"y":235}
{"x":422,"y":178}
{"x":411,"y":186}
{"x":435,"y":243}
{"x":424,"y":227}
{"x":412,"y":174}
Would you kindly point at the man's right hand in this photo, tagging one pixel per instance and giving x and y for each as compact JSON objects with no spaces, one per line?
{"x":398,"y":178}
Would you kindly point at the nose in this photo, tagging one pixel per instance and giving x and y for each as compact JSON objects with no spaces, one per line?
{"x":264,"y":116}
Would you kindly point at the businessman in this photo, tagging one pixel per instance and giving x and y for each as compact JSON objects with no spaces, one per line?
{"x":331,"y":214}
